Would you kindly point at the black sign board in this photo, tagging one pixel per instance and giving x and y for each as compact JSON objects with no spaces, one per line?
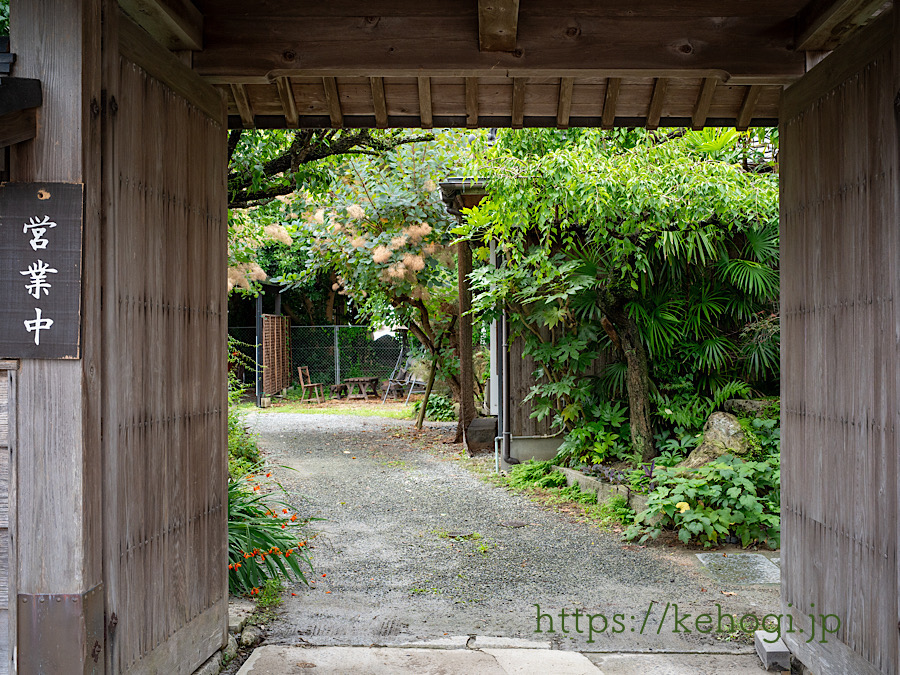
{"x":40,"y":270}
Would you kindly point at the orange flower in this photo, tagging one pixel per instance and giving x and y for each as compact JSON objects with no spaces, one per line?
{"x":283,"y":526}
{"x":294,"y":594}
{"x":236,"y":565}
{"x":323,"y":575}
{"x":284,"y":510}
{"x":256,"y":488}
{"x":293,"y":517}
{"x":231,"y":567}
{"x":269,"y":475}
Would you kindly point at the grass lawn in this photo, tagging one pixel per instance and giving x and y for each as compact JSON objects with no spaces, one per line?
{"x":371,"y":408}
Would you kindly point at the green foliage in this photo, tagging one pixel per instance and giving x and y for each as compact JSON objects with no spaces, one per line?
{"x":667,"y":233}
{"x":535,"y":474}
{"x":4,"y":17}
{"x":707,"y":504}
{"x":266,"y":538}
{"x":440,"y":408}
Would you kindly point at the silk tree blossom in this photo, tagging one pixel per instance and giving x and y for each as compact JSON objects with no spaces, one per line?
{"x":356,"y":212}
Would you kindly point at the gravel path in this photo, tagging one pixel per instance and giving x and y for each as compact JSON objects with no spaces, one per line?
{"x":394,"y":577}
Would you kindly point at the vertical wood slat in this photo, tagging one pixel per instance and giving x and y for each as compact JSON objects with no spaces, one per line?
{"x":7,"y":491}
{"x":379,"y":103}
{"x":610,"y":99}
{"x":564,"y":106}
{"x":704,"y":100}
{"x":660,"y":85}
{"x":165,"y":397}
{"x":840,"y":363}
{"x":426,"y":117}
{"x":333,"y":100}
{"x":288,"y":102}
{"x":518,"y":103}
{"x":472,"y":102}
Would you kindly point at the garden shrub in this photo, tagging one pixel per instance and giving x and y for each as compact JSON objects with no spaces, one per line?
{"x":707,"y":504}
{"x":440,"y":408}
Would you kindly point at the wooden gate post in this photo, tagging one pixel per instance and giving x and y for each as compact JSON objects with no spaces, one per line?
{"x":58,"y":401}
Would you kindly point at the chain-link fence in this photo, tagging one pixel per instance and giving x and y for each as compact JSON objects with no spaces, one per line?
{"x":333,"y":353}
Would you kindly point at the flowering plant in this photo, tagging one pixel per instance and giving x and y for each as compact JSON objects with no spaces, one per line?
{"x":266,"y":537}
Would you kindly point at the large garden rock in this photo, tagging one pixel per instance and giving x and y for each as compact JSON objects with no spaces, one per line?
{"x":750,"y":406}
{"x":722,"y":434}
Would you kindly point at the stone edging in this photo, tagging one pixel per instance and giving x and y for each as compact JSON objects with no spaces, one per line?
{"x":603,"y":490}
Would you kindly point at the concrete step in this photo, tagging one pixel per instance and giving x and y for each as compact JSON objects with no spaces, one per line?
{"x":294,"y":660}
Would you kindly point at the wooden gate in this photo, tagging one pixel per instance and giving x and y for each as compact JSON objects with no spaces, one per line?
{"x":164,"y":393}
{"x":840,"y":362}
{"x":276,"y":353}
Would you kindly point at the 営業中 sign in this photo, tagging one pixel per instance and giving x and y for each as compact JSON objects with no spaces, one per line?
{"x":40,"y":270}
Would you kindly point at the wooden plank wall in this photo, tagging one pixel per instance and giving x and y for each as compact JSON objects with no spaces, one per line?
{"x":521,"y":379}
{"x":7,"y":566}
{"x":276,"y":353}
{"x":840,"y":360}
{"x":165,"y":407}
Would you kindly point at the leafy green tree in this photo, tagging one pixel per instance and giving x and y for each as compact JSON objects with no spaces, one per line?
{"x":661,"y":248}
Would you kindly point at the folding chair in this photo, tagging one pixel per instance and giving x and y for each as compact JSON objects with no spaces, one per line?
{"x":305,"y":381}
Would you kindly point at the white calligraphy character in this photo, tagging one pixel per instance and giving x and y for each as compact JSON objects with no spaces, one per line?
{"x":38,"y":273}
{"x":37,"y":325}
{"x":38,"y":230}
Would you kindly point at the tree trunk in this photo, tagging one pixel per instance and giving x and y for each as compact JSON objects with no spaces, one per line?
{"x":467,"y":411}
{"x":421,"y":418}
{"x":638,"y":384}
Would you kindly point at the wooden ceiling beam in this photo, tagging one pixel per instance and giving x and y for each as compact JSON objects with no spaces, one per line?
{"x":472,"y":102}
{"x":824,"y":24}
{"x":704,"y":100}
{"x":288,"y":102}
{"x":564,"y":107}
{"x":175,"y":24}
{"x":745,"y":114}
{"x":654,"y":112}
{"x":263,"y":46}
{"x":242,"y":101}
{"x":333,"y":101}
{"x":426,"y":115}
{"x":518,"y":103}
{"x":379,"y":103}
{"x":609,"y":102}
{"x":497,"y":25}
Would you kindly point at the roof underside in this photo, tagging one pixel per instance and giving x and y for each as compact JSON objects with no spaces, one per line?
{"x":494,"y":63}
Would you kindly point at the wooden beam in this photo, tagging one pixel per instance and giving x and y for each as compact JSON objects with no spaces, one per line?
{"x":379,"y":102}
{"x":175,"y":24}
{"x":656,"y":102}
{"x":243,"y":105}
{"x":426,"y":118}
{"x":704,"y":100}
{"x":564,"y":106}
{"x":333,"y":100}
{"x":497,"y":25}
{"x":17,"y":127}
{"x":252,"y":46}
{"x":824,"y":24}
{"x":609,"y":102}
{"x":288,"y":102}
{"x":471,"y":102}
{"x":136,"y":45}
{"x":518,"y":103}
{"x":746,"y":112}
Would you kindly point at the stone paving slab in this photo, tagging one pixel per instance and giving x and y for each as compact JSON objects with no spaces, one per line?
{"x":741,"y":568}
{"x":280,"y":660}
{"x":677,"y":664}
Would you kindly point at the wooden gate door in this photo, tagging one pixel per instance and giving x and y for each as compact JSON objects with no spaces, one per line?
{"x":840,"y":247}
{"x":164,"y":402}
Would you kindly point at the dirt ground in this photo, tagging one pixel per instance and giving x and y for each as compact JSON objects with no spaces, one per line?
{"x":416,"y":548}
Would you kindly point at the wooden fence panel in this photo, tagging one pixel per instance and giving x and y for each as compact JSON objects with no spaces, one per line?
{"x":840,"y":359}
{"x":276,"y":353}
{"x":7,"y":514}
{"x":164,"y":409}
